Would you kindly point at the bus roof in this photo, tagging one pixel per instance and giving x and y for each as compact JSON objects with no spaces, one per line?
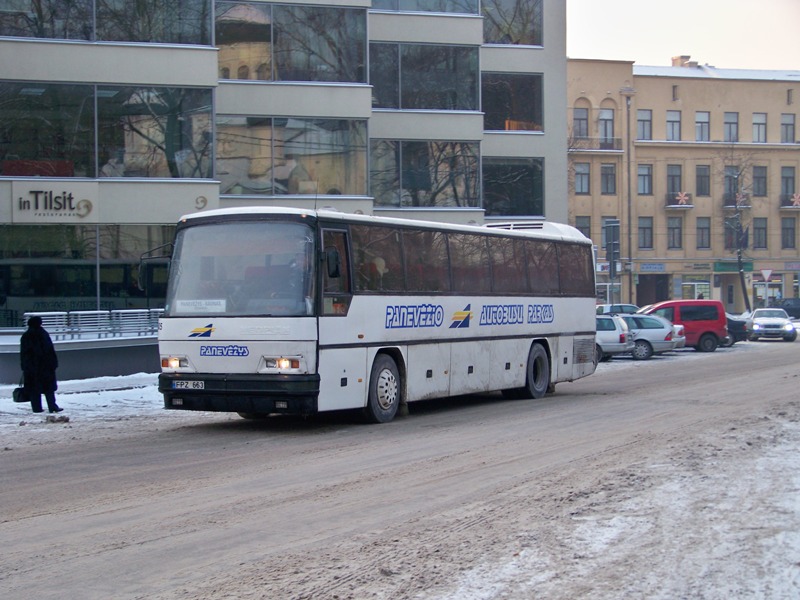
{"x":535,"y":228}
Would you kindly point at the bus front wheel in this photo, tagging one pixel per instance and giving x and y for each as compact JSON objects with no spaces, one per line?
{"x":383,"y":399}
{"x":538,"y":379}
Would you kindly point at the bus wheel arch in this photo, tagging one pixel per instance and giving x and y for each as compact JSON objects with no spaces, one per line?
{"x":386,"y":388}
{"x":537,"y":380}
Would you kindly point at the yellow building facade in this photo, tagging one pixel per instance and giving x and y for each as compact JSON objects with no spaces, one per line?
{"x":699,"y":166}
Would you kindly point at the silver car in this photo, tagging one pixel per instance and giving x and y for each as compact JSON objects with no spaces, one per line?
{"x":612,"y":337}
{"x":770,"y":323}
{"x":651,"y":335}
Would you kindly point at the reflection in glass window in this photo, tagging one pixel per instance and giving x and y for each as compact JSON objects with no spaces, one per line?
{"x":424,"y":174}
{"x":150,"y":21}
{"x":469,"y":263}
{"x":542,"y":260}
{"x":47,"y":20}
{"x":377,"y":258}
{"x":512,"y":102}
{"x":433,"y":77}
{"x":426,"y":259}
{"x":154,"y":21}
{"x":513,"y":186}
{"x":442,"y":6}
{"x":512,"y":22}
{"x":276,"y":156}
{"x":291,"y":43}
{"x":154,"y":132}
{"x":47,"y":130}
{"x":55,"y":267}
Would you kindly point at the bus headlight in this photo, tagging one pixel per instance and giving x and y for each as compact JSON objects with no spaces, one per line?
{"x":282,"y":364}
{"x":174,"y":362}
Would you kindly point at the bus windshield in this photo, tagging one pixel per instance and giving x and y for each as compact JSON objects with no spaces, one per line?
{"x":244,"y":268}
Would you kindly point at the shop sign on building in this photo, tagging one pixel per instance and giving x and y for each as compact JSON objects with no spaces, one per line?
{"x":49,"y":202}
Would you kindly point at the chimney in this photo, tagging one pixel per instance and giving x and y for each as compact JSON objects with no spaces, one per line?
{"x":684,"y":60}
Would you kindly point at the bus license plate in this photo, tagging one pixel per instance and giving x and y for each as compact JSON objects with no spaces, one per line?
{"x":188,"y":385}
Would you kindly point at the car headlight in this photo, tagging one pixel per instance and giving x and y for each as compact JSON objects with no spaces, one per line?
{"x":788,"y":327}
{"x":756,"y":326}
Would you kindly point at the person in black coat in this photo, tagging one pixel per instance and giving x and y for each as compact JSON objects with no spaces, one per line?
{"x":39,"y":363}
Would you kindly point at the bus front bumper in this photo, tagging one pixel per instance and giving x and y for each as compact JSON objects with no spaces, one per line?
{"x":250,"y":394}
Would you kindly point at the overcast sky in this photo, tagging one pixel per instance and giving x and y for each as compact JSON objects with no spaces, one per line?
{"x":732,"y":34}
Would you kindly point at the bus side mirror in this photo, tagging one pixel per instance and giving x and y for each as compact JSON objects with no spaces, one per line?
{"x":333,"y":263}
{"x":146,"y":258}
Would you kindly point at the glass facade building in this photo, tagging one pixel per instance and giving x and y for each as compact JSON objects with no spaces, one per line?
{"x":117,"y":118}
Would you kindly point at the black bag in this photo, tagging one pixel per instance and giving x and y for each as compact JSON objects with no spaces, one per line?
{"x":19,"y":393}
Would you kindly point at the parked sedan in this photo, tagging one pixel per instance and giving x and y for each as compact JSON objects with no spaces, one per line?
{"x":612,"y":337}
{"x":770,"y":323}
{"x":791,"y":306}
{"x":616,"y":309}
{"x":651,"y":335}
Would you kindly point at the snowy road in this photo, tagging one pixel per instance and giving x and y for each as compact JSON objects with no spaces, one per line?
{"x":672,"y":478}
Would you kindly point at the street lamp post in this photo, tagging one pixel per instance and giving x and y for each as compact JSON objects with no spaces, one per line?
{"x":628,"y":92}
{"x":739,"y":231}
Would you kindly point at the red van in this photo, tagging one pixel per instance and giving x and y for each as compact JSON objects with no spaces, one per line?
{"x":704,"y":321}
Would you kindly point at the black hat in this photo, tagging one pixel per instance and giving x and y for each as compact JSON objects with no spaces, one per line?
{"x":35,"y":321}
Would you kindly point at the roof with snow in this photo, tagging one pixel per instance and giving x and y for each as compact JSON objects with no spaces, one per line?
{"x":711,"y":72}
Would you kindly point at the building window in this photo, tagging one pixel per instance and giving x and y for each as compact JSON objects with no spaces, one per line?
{"x":184,"y":22}
{"x":734,"y":232}
{"x":703,"y":180}
{"x":674,"y":233}
{"x":512,"y":102}
{"x":584,"y":225}
{"x":703,"y":233}
{"x":760,"y":233}
{"x":606,"y":123}
{"x":243,"y":72}
{"x":517,"y":22}
{"x":731,"y":180}
{"x":604,"y":221}
{"x":759,"y":181}
{"x":674,"y":180}
{"x":644,"y":180}
{"x":424,"y":76}
{"x":65,"y":130}
{"x":788,"y":233}
{"x":278,"y":155}
{"x":513,"y":186}
{"x":759,"y":128}
{"x":787,"y":128}
{"x":424,"y":174}
{"x":673,"y":125}
{"x":787,"y":183}
{"x":731,"y":126}
{"x":644,"y":124}
{"x":582,"y":181}
{"x":645,"y":233}
{"x":290,"y":42}
{"x":469,"y":7}
{"x":702,"y":126}
{"x":580,"y":122}
{"x":608,"y":178}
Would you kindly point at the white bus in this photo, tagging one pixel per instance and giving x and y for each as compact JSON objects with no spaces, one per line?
{"x":279,"y":310}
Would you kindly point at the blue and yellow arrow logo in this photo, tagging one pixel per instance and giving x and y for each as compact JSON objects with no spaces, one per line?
{"x":202,"y":331}
{"x":461,"y":317}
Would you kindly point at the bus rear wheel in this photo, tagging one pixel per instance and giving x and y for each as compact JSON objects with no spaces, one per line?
{"x":383,"y":398}
{"x":538,"y":379}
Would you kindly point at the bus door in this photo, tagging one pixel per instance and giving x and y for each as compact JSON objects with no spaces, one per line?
{"x":342,"y":355}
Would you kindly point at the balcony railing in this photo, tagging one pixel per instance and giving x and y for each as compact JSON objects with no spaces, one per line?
{"x":732,"y":201}
{"x":587,"y":143}
{"x":790,"y":201}
{"x":679,"y":200}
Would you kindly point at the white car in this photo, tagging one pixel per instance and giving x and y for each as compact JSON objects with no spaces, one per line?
{"x":651,"y":335}
{"x":770,"y":323}
{"x":612,"y":337}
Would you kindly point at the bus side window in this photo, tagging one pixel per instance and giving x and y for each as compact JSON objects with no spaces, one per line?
{"x":336,"y":293}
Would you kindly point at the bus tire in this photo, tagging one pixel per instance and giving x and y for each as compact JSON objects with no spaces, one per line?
{"x":538,"y":373}
{"x":383,"y":398}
